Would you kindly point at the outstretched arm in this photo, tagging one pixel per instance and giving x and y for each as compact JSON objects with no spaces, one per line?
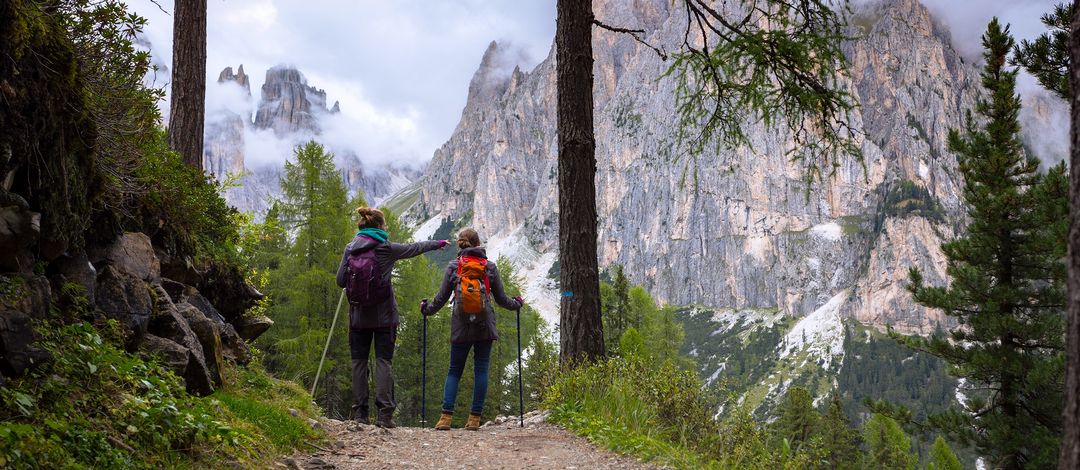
{"x":408,"y":250}
{"x":497,"y":291}
{"x":445,"y":290}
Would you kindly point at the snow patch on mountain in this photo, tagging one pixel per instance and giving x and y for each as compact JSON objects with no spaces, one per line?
{"x":820,"y":334}
{"x":829,"y":231}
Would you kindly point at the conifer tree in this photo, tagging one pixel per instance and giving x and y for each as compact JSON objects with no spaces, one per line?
{"x":838,"y":439}
{"x":798,"y":420}
{"x":1007,"y":283}
{"x":315,"y":210}
{"x":942,"y":457}
{"x":887,"y":446}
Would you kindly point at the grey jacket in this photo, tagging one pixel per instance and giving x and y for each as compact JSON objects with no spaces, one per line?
{"x":462,"y":331}
{"x":385,"y":314}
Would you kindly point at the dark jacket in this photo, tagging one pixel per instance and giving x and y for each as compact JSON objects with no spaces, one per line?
{"x":462,"y":331}
{"x":385,"y":314}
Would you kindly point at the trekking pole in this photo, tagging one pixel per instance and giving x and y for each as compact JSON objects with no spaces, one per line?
{"x":521,"y":395}
{"x":329,"y":335}
{"x":423,"y":392}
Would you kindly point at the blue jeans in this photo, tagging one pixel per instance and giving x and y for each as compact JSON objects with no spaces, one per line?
{"x":481,"y":358}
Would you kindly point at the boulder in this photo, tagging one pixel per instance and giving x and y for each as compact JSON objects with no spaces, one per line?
{"x":17,"y":349}
{"x":167,"y":323}
{"x":75,"y":268}
{"x":132,"y":254}
{"x":234,"y":348}
{"x":124,"y":298}
{"x":20,"y":229}
{"x":209,"y":335}
{"x":182,"y":361}
{"x":225,"y":287}
{"x":250,"y":328}
{"x":26,"y":293}
{"x":173,"y":356}
{"x":178,"y":268}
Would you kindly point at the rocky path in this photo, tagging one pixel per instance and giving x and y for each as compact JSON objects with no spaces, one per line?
{"x":500,"y":445}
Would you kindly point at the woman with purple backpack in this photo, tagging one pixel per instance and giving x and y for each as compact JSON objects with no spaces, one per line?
{"x":365,"y":272}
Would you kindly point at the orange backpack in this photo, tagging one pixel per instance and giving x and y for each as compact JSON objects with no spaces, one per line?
{"x":473,"y":288}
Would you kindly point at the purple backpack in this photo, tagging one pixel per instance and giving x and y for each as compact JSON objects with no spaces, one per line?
{"x":365,"y":287}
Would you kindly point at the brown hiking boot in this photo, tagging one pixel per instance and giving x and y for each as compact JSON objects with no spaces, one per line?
{"x":444,"y":421}
{"x":473,"y":424}
{"x":385,"y":422}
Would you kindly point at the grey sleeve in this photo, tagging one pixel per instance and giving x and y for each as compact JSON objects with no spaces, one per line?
{"x":341,"y":268}
{"x":402,"y":251}
{"x":443,"y":295}
{"x":497,"y":291}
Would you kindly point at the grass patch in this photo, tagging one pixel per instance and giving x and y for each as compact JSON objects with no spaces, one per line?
{"x":659,"y":413}
{"x":97,"y":406}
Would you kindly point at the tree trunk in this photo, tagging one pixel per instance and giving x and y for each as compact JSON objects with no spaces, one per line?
{"x":581,"y":335}
{"x":188,"y":80}
{"x":1070,"y":447}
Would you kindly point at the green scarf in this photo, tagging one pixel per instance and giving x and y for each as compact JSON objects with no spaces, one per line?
{"x":375,"y":233}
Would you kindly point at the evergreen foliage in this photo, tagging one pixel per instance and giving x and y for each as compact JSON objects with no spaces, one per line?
{"x":887,"y":446}
{"x":839,"y":440}
{"x":1007,"y":284}
{"x":625,"y":307}
{"x":942,"y":457}
{"x":1047,"y":57}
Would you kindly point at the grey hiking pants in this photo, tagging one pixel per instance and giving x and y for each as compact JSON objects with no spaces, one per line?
{"x":360,"y":348}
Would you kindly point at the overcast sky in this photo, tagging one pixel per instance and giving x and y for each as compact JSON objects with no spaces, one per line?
{"x":401,"y":68}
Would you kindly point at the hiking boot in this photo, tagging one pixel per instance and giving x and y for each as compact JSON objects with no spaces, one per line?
{"x":363,"y":419}
{"x":473,"y":424}
{"x":385,"y":422}
{"x":444,"y":421}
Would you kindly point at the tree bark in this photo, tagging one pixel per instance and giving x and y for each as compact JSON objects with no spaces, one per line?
{"x":1070,"y":446}
{"x":188,"y":80}
{"x":581,"y":335}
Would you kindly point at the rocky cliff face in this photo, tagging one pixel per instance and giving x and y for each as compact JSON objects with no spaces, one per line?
{"x":736,"y":229}
{"x":291,"y":111}
{"x":223,"y":144}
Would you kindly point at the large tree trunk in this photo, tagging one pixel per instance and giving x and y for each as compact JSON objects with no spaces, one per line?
{"x":1070,"y":447}
{"x":188,"y":80}
{"x":581,"y":335}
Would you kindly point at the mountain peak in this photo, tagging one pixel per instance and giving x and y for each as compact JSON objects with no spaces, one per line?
{"x":240,"y":78}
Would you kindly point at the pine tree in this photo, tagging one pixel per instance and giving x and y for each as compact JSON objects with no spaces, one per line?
{"x":839,"y":440}
{"x":315,"y":210}
{"x":188,"y":81}
{"x":1007,"y":289}
{"x":1047,"y":57}
{"x":797,"y":419}
{"x":942,"y":457}
{"x":887,"y":446}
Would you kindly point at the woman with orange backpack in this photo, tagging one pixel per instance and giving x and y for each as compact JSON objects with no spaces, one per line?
{"x":474,"y":282}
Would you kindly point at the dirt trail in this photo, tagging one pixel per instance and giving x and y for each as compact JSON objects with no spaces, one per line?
{"x":499,"y":445}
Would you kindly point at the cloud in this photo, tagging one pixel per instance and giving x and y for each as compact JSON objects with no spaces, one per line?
{"x":400,"y":69}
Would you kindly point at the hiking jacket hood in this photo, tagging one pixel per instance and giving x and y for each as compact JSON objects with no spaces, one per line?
{"x":462,"y":331}
{"x":383,"y":315}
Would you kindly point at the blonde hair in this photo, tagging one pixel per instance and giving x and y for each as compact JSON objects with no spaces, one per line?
{"x":370,"y":218}
{"x":468,"y":238}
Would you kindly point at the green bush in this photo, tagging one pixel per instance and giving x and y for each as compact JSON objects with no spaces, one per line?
{"x":182,"y":208}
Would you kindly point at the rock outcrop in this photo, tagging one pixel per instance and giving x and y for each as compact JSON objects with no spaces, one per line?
{"x":292,"y":111}
{"x":223,"y":142}
{"x":735,"y":228}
